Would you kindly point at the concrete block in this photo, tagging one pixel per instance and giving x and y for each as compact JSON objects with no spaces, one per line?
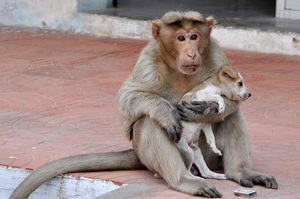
{"x":280,"y":5}
{"x":292,"y":4}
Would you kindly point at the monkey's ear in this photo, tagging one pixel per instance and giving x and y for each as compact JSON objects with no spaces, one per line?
{"x":228,"y":72}
{"x":211,"y":22}
{"x":156,"y":26}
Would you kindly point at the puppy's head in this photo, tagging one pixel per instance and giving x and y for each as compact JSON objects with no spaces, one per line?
{"x":233,"y":84}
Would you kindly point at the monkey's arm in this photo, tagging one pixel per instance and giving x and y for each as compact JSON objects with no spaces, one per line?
{"x":136,"y":103}
{"x":191,"y":112}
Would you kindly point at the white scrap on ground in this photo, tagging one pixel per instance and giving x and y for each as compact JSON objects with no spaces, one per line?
{"x":66,"y":187}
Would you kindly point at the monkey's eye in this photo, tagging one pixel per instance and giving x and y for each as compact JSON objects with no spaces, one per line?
{"x":181,"y":38}
{"x":241,"y":84}
{"x":194,"y":37}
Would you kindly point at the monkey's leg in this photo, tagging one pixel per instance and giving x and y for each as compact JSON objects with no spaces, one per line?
{"x":204,"y":170}
{"x":236,"y":153}
{"x":160,"y":155}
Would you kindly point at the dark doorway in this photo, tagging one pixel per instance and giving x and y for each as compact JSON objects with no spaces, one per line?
{"x":238,"y":13}
{"x":142,"y":9}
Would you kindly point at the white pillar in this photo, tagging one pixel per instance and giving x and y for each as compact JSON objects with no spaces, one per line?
{"x":288,"y":9}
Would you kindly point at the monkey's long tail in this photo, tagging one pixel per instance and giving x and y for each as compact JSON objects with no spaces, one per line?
{"x":87,"y":162}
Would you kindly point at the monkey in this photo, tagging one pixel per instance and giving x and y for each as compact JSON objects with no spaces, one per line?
{"x":156,"y":86}
{"x":181,"y":55}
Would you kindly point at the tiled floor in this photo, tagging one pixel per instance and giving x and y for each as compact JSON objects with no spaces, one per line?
{"x":58,"y":98}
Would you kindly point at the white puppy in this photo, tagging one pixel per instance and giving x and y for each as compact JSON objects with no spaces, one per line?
{"x":227,"y":82}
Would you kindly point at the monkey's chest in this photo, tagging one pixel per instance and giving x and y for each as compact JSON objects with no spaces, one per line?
{"x":173,"y":94}
{"x":175,"y":89}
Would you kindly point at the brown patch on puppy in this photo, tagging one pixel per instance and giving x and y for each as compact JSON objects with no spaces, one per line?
{"x":228,"y":73}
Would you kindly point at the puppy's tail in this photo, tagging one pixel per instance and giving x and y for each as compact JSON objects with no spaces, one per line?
{"x":87,"y":162}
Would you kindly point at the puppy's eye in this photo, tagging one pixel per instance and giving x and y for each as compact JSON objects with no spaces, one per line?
{"x":241,"y":84}
{"x":194,"y":37}
{"x":181,"y":38}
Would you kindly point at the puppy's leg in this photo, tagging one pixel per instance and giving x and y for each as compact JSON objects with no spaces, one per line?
{"x":204,"y":170}
{"x":160,"y":155}
{"x":210,"y":138}
{"x":186,"y":153}
{"x":236,"y":153}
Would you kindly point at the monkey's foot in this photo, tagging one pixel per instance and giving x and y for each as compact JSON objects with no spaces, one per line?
{"x":264,"y":180}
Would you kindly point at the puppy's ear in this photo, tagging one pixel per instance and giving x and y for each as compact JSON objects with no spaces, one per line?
{"x":228,"y":72}
{"x":156,"y":26}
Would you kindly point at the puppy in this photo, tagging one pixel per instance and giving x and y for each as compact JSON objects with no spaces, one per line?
{"x":227,"y":82}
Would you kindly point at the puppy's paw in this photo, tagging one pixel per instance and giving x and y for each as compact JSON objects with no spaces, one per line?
{"x":221,"y":177}
{"x":217,"y":151}
{"x":221,"y":108}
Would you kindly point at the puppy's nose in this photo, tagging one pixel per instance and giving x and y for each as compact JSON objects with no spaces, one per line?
{"x":247,"y":95}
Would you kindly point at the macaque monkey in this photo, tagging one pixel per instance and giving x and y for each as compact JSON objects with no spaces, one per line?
{"x":180,"y":56}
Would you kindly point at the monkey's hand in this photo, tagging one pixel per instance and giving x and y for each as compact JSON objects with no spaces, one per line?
{"x":171,"y":123}
{"x":197,"y":110}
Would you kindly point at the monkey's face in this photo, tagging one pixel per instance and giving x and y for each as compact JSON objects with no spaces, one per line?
{"x":183,"y":37}
{"x":188,"y":50}
{"x":185,"y":46}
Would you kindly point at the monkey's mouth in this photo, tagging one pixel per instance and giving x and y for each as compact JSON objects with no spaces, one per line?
{"x":191,"y":66}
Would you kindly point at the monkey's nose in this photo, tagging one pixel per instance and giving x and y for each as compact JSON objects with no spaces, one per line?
{"x":192,"y":54}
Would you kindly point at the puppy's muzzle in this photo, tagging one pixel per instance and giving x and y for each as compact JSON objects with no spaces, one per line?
{"x":247,"y":95}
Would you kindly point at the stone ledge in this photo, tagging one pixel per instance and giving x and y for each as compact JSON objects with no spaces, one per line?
{"x":54,"y":15}
{"x":231,"y":37}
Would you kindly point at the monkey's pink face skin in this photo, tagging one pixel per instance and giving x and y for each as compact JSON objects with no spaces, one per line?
{"x":189,"y":57}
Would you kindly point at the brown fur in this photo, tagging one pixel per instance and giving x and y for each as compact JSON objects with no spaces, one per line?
{"x":146,"y":106}
{"x":229,"y":72}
